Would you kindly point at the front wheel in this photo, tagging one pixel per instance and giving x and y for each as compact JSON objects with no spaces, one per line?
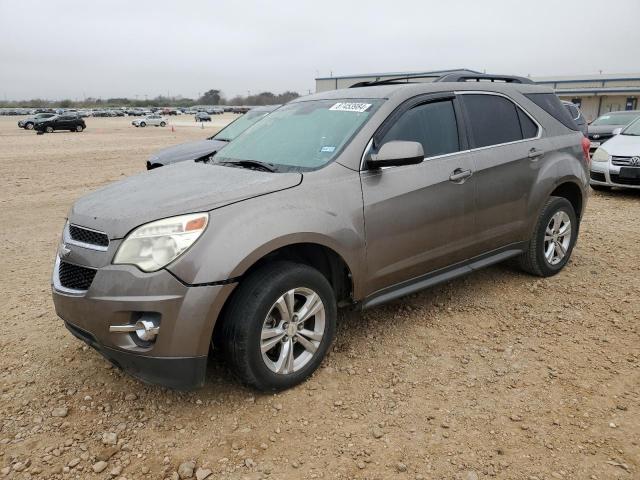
{"x":49,"y":129}
{"x":553,"y":240}
{"x":279,"y":325}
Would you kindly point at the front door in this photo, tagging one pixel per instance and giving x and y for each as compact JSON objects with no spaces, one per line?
{"x":420,"y":218}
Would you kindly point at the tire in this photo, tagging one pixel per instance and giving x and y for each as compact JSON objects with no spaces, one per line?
{"x":163,"y":124}
{"x":253,"y":311}
{"x":49,"y":129}
{"x":601,"y":188}
{"x":536,"y":259}
{"x":143,"y":124}
{"x":79,"y":128}
{"x":28,"y":126}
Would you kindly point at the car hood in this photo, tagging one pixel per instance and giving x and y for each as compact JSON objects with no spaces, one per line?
{"x":177,"y":189}
{"x":602,"y":129}
{"x":186,"y":151}
{"x":623,"y":146}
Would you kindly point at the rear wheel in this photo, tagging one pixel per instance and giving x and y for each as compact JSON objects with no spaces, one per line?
{"x":28,"y":126}
{"x":163,"y":124}
{"x":279,"y":325}
{"x":142,"y":124}
{"x":79,"y":128}
{"x":555,"y":235}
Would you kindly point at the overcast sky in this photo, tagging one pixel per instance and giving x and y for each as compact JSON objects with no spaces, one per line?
{"x":107,"y":48}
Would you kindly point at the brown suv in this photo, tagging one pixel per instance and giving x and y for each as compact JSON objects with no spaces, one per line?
{"x":346,"y":198}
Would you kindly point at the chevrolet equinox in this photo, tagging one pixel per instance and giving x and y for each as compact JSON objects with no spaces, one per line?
{"x":351,"y":197}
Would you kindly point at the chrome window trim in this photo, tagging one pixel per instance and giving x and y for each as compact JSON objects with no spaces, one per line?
{"x":57,"y":286}
{"x":497,"y":94}
{"x":67,"y":238}
{"x":469,"y":150}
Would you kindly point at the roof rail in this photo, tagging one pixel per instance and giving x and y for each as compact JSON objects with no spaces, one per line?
{"x":393,"y":80}
{"x":477,"y":77}
{"x":447,"y":76}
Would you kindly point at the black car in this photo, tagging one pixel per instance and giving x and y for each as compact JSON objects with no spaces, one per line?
{"x":202,"y":117}
{"x":29,"y":122}
{"x":601,"y":129}
{"x":73,"y":123}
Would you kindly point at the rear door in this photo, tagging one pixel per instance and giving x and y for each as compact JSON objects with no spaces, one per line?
{"x":419,"y":218}
{"x":508,"y":148}
{"x":63,"y":123}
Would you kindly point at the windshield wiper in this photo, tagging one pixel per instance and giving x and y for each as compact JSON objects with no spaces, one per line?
{"x":221,"y":139}
{"x":251,"y":164}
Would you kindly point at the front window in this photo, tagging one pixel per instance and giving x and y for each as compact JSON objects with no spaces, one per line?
{"x":619,"y":119}
{"x":633,"y":129}
{"x":238,"y":126}
{"x":301,"y":135}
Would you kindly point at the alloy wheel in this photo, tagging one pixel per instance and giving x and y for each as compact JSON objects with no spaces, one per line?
{"x":292,"y":330}
{"x":557,"y":237}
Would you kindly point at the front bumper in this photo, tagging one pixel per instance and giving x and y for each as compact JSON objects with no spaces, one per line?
{"x":122,"y":295}
{"x":607,"y":174}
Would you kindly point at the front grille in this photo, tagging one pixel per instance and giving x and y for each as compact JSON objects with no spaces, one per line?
{"x":599,"y":137}
{"x":598,"y":176}
{"x":625,"y":161}
{"x":75,"y":277}
{"x":84,"y":235}
{"x":615,"y":178}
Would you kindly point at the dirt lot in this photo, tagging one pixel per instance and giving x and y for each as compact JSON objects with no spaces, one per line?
{"x":496,"y":375}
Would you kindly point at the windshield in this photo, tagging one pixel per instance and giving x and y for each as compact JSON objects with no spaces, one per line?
{"x":620,"y":119}
{"x":239,"y":125}
{"x":633,"y":128}
{"x":301,"y":135}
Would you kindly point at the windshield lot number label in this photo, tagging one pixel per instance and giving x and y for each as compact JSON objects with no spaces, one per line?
{"x":350,"y":107}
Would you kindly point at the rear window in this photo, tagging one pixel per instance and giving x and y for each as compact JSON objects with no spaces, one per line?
{"x":551,"y":104}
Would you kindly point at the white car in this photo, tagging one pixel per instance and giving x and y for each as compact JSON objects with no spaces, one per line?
{"x":616,"y":163}
{"x":155,"y":120}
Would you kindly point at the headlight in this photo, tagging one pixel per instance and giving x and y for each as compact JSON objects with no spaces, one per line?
{"x":600,"y":155}
{"x":156,"y":244}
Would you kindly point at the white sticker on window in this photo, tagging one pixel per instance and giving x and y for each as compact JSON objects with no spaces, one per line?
{"x":327,"y":149}
{"x":350,"y":107}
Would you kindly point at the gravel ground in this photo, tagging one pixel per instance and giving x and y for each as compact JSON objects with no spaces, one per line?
{"x":495,"y":375}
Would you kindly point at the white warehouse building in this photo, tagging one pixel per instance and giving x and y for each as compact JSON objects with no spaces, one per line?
{"x":594,"y":94}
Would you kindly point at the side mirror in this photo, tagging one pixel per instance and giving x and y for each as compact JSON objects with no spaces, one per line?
{"x":396,"y":153}
{"x":617,"y":131}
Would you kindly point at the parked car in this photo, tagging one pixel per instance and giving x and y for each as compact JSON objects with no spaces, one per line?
{"x":617,"y":162}
{"x":217,"y":110}
{"x":71,"y":122}
{"x":202,"y":117}
{"x":577,"y":116}
{"x":155,"y":120}
{"x":601,"y":129}
{"x":202,"y":149}
{"x":29,"y":122}
{"x":350,"y":197}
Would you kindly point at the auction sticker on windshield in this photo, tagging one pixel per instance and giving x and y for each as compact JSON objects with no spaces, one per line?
{"x":350,"y":107}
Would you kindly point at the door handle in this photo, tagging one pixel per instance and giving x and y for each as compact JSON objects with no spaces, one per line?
{"x":459,"y":175}
{"x":535,"y":153}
